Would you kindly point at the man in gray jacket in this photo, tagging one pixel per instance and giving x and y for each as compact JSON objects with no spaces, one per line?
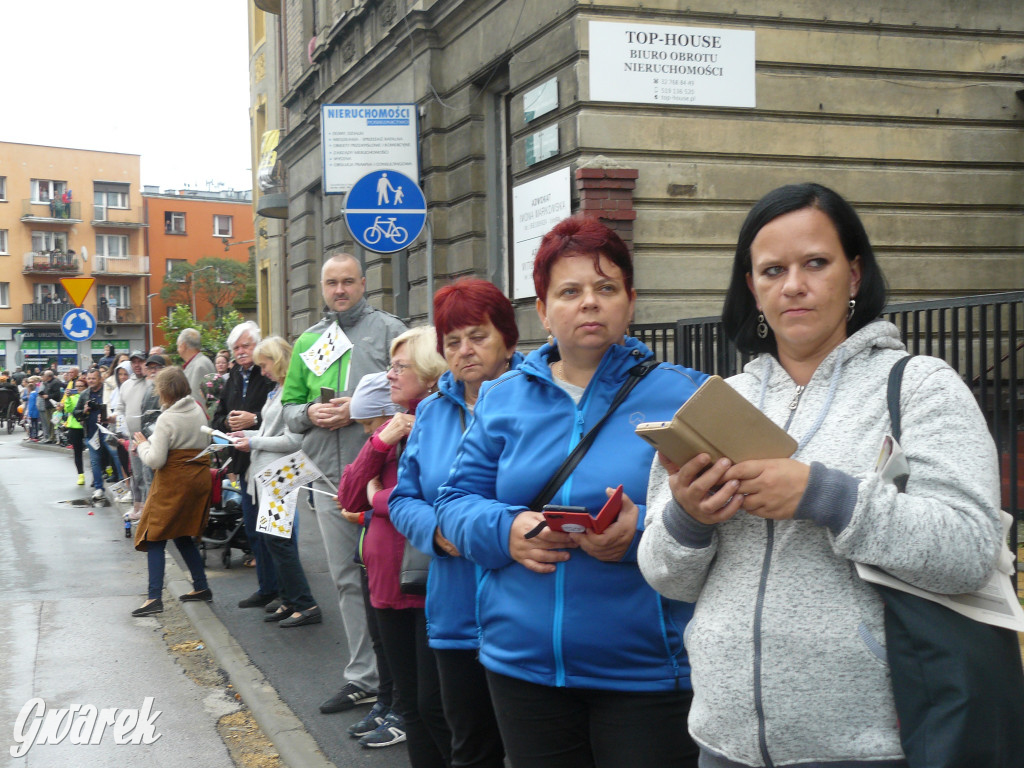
{"x":129,"y":408}
{"x":331,"y":440}
{"x":194,"y":363}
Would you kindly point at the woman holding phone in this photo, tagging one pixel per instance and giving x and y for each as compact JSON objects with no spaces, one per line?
{"x":567,"y":691}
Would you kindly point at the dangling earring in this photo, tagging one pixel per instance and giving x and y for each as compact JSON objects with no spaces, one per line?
{"x":762,"y":326}
{"x":551,"y":339}
{"x":853,"y":306}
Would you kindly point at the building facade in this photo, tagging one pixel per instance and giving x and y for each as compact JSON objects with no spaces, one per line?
{"x":910,"y":111}
{"x":186,"y":226}
{"x":270,"y":198}
{"x":69,"y":213}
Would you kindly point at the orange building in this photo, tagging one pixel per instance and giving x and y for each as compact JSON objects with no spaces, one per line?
{"x":186,"y":226}
{"x":69,"y":213}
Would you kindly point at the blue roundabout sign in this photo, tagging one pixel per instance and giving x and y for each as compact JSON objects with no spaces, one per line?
{"x":78,"y":324}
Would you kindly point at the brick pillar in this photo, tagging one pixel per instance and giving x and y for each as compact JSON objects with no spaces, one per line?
{"x":607,"y":194}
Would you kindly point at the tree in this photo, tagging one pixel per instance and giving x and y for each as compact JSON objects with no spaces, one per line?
{"x":218,"y":282}
{"x":214,"y":335}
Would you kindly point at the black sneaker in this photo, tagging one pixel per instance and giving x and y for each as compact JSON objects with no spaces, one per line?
{"x":256,"y":600}
{"x":387,"y":734}
{"x":347,"y":698}
{"x":373,"y":720}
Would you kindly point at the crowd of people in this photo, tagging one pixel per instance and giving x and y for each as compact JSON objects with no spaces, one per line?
{"x":716,"y":621}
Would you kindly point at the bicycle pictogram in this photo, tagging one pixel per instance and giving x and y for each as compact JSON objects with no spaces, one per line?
{"x":386,"y":228}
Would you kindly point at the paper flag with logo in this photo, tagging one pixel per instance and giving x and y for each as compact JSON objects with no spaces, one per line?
{"x":332,"y":344}
{"x":287,"y":474}
{"x":277,"y":516}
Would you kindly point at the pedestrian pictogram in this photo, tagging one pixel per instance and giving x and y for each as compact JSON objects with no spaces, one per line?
{"x":385,"y":211}
{"x":77,"y":288}
{"x":78,"y":325}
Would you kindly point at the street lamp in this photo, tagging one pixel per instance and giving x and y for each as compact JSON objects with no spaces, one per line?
{"x":192,"y":286}
{"x":149,"y":315}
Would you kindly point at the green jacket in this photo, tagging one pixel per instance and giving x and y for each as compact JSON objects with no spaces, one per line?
{"x":68,"y":405}
{"x":371,"y":332}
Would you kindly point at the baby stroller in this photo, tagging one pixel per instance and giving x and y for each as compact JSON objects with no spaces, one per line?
{"x":225,"y":529}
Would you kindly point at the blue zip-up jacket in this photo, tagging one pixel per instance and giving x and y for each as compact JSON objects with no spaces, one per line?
{"x":590,"y":624}
{"x":452,"y":581}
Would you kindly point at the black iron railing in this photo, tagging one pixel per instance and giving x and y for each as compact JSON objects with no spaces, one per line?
{"x":981,"y":337}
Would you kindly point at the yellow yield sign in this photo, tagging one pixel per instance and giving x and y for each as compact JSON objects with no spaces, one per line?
{"x":78,"y":288}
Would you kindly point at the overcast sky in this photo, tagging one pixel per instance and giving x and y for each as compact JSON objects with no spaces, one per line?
{"x":167,"y":81}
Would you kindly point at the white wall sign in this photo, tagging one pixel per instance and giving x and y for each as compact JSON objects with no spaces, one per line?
{"x":654,"y":64}
{"x":540,"y":100}
{"x":536,"y":207}
{"x":541,"y":145}
{"x":359,"y":138}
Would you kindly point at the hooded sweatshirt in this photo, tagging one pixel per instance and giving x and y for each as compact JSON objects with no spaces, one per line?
{"x":451,"y":581}
{"x":787,"y":642}
{"x":371,"y":332}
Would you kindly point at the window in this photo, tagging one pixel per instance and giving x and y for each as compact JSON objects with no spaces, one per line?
{"x":174,"y":223}
{"x":112,"y":246}
{"x":3,"y":242}
{"x":44,"y":242}
{"x":50,"y":293}
{"x":3,"y":188}
{"x":45,"y":190}
{"x":117,"y":296}
{"x":222,"y":226}
{"x":5,"y":295}
{"x":171,"y":264}
{"x":108,"y":194}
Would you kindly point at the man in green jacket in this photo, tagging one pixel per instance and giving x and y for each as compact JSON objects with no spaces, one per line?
{"x":352,"y":340}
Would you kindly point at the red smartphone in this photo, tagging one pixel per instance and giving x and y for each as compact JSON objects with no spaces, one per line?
{"x":578,"y":520}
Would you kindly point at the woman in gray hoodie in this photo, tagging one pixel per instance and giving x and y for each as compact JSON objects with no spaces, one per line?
{"x":787,"y":643}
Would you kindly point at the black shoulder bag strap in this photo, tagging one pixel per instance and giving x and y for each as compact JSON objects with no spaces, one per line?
{"x":636,"y":373}
{"x":893,"y":397}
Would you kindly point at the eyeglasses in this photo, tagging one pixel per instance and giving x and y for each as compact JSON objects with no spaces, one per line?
{"x":398,"y":368}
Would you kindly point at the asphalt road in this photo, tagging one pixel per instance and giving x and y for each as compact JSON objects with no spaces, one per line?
{"x":70,"y":581}
{"x":68,"y":584}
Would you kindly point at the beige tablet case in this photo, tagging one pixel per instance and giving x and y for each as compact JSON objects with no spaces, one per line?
{"x":719,"y":421}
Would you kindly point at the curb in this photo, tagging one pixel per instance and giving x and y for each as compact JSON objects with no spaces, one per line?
{"x":295,"y":746}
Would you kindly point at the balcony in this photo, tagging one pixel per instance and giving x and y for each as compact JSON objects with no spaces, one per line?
{"x":51,"y":262}
{"x":52,"y":313}
{"x":52,"y":212}
{"x":116,"y":218}
{"x":123,"y":265}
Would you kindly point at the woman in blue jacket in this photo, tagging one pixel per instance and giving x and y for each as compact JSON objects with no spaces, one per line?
{"x":585,"y":662}
{"x":477,"y":334}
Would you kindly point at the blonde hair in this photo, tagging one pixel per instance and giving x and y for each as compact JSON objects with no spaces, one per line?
{"x":277,"y":353}
{"x":171,"y":385}
{"x":421,"y":346}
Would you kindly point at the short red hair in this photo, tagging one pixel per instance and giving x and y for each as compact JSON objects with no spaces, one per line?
{"x":472,"y":301}
{"x":583,"y":236}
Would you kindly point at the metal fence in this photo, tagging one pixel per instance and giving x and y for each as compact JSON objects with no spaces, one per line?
{"x":981,"y":337}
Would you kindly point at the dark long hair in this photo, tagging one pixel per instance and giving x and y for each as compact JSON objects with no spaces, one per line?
{"x":739,"y":313}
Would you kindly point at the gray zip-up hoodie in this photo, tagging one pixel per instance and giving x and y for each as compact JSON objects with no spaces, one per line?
{"x":787,"y":643}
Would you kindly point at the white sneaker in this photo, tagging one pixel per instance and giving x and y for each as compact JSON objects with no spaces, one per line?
{"x":98,"y":495}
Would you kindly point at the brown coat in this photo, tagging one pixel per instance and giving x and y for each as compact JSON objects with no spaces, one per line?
{"x":178,"y":503}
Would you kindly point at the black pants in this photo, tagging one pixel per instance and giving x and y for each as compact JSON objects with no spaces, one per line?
{"x":476,"y":740}
{"x":386,"y":693}
{"x":77,"y":439}
{"x":545,"y":727}
{"x":404,"y":635}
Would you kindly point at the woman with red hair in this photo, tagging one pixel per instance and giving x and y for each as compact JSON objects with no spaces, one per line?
{"x":477,"y":334}
{"x":585,"y":662}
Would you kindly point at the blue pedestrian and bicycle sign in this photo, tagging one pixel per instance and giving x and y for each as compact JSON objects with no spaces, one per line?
{"x":385,"y":211}
{"x":78,"y":324}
